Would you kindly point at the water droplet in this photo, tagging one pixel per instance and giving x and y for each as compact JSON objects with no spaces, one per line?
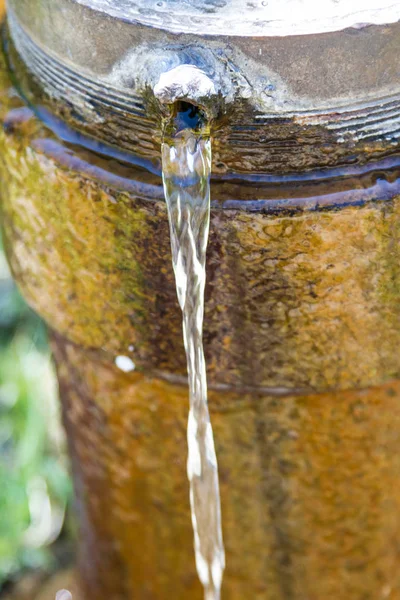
{"x":126,"y":365}
{"x":63,"y":595}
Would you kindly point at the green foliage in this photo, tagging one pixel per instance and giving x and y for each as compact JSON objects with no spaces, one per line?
{"x":34,"y":485}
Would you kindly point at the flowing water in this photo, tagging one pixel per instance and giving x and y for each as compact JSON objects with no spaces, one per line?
{"x":186,"y":159}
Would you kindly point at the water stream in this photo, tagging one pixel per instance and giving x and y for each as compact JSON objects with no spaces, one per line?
{"x":186,"y":160}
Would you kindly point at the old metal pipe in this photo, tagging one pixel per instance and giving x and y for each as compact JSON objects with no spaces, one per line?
{"x":302,"y":302}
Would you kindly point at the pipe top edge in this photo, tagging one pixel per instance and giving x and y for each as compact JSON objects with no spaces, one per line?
{"x":250,"y":17}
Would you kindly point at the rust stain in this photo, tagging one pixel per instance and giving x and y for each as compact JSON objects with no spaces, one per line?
{"x":310,"y":487}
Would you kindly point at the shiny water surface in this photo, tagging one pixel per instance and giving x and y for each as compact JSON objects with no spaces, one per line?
{"x":186,"y":162}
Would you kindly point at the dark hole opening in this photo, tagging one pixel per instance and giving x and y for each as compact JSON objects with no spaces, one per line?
{"x":188,"y":116}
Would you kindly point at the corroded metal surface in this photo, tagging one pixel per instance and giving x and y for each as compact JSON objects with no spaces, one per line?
{"x":292,"y":103}
{"x":292,"y":301}
{"x":310,"y":487}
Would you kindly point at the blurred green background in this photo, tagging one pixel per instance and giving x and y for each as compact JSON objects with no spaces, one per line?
{"x":34,"y":482}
